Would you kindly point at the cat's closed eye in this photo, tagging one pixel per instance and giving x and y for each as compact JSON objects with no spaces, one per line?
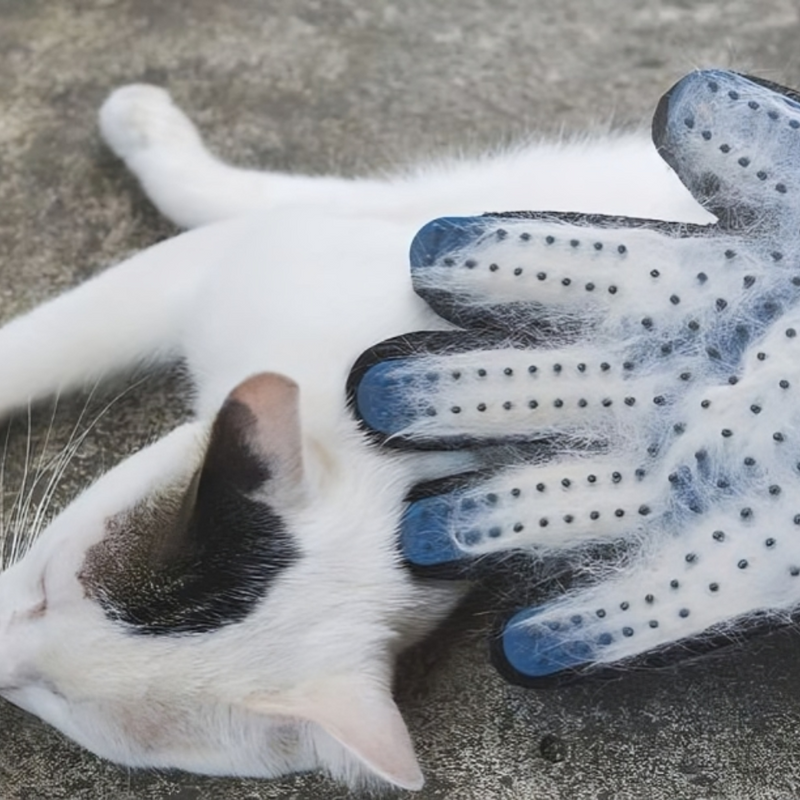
{"x":39,"y":609}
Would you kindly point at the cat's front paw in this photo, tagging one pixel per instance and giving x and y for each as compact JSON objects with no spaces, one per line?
{"x":141,"y":117}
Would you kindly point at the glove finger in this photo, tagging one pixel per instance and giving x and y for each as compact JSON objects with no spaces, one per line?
{"x":556,"y":275}
{"x":563,"y":280}
{"x":734,"y":141}
{"x":721,"y":579}
{"x":545,"y":508}
{"x":450,"y":389}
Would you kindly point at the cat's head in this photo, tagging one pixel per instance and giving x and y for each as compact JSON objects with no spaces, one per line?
{"x":225,"y":601}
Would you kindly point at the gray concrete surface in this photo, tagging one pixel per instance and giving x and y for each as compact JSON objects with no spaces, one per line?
{"x":357,"y":86}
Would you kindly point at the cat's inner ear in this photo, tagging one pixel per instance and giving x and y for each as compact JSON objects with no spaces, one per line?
{"x":362,"y":718}
{"x":191,"y":558}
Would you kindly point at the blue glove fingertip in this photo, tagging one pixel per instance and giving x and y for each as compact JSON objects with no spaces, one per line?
{"x":528,"y":653}
{"x":425,"y":533}
{"x":382,"y":404}
{"x":444,"y":237}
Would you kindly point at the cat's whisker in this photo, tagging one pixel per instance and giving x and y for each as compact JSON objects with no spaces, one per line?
{"x":27,"y":493}
{"x":31,"y":509}
{"x":69,"y":451}
{"x":42,"y":468}
{"x":4,"y":528}
{"x":57,"y":466}
{"x":19,"y":508}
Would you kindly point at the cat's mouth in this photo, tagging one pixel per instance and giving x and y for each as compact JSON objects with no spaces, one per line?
{"x":15,"y":685}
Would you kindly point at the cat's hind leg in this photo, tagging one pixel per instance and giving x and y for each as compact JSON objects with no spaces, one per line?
{"x":185,"y":181}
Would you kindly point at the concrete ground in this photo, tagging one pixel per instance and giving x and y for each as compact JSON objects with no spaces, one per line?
{"x":358,"y":86}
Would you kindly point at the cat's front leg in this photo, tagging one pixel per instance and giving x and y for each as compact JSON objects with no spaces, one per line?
{"x":130,"y":314}
{"x":189,"y":185}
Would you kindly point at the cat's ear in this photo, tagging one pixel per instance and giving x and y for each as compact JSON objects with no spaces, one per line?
{"x":363,"y":718}
{"x":256,"y":442}
{"x":193,"y":558}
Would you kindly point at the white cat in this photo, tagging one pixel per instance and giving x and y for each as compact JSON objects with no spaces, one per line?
{"x":229,"y":600}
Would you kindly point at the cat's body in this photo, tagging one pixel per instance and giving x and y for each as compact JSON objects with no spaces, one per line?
{"x":292,"y":668}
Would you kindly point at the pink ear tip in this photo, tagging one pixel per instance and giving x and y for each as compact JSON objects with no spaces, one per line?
{"x":414,"y":783}
{"x":408,"y":776}
{"x":271,"y":382}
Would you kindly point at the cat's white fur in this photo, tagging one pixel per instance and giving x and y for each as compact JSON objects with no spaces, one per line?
{"x":283,"y":274}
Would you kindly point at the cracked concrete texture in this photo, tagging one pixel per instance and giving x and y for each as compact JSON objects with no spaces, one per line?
{"x":356,"y":86}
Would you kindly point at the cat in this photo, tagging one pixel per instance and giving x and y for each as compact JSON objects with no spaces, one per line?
{"x":230,"y":599}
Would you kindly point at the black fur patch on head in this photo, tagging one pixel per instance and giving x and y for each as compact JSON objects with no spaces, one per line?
{"x":193,"y":559}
